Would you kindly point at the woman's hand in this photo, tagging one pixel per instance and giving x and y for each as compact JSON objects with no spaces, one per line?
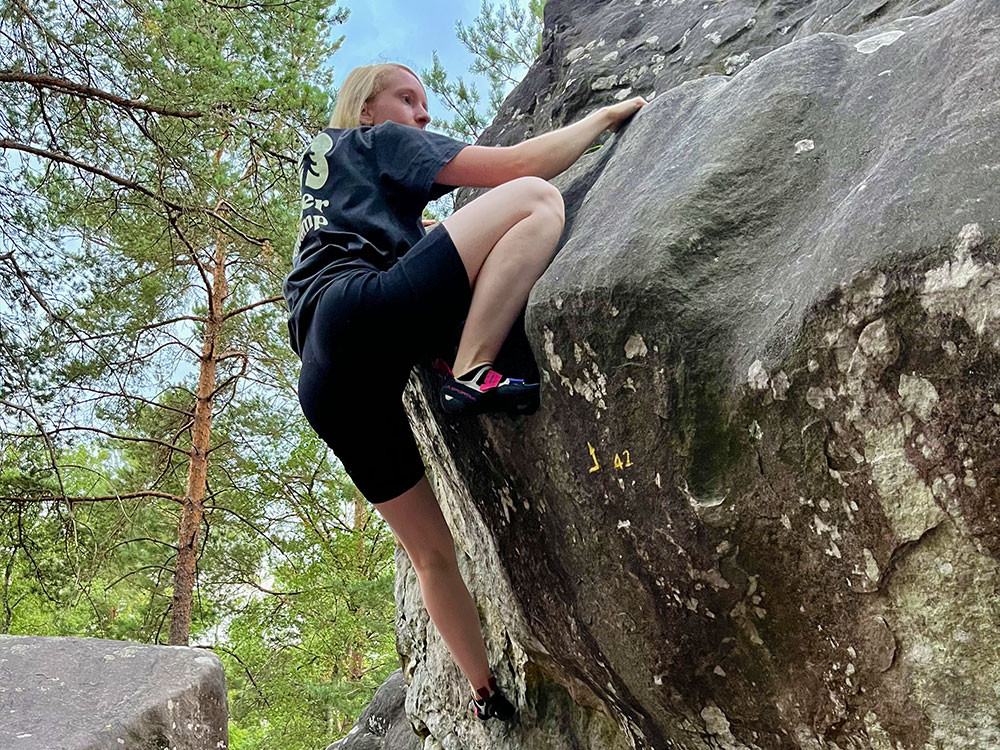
{"x":619,"y":113}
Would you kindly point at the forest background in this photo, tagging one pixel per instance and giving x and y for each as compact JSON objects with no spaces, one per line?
{"x":158,"y":482}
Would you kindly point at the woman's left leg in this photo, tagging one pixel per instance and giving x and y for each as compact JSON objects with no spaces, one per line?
{"x":416,"y":520}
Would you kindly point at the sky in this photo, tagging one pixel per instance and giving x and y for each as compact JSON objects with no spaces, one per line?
{"x":407,"y":32}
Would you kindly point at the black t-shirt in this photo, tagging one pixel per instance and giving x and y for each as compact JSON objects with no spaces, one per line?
{"x":364,"y":191}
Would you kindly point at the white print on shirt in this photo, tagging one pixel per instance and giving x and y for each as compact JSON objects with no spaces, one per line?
{"x":317,"y":172}
{"x":314,"y":161}
{"x":312,"y":221}
{"x":311,"y":201}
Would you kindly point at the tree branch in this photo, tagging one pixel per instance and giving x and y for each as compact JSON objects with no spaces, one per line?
{"x":101,"y":432}
{"x":69,"y":87}
{"x":96,"y":499}
{"x":243,"y":309}
{"x":52,"y":156}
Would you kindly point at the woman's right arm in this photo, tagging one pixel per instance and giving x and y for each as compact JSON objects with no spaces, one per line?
{"x":544,"y":156}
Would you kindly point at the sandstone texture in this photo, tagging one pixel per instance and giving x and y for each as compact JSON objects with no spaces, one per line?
{"x":91,"y":694}
{"x":758,"y":508}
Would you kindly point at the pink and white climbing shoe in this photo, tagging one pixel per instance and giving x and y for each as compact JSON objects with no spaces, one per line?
{"x":485,"y":390}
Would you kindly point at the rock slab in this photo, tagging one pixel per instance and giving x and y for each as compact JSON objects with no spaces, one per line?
{"x":92,"y":694}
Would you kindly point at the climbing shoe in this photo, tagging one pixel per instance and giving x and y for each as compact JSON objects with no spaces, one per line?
{"x":491,"y":703}
{"x":485,"y":390}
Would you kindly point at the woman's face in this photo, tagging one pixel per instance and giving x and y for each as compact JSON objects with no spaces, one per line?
{"x":403,"y":101}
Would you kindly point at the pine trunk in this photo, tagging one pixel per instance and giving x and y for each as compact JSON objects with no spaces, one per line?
{"x":194,"y":498}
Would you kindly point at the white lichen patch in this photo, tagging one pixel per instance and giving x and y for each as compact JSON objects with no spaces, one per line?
{"x":821,"y":527}
{"x":817,"y":397}
{"x":757,"y":376}
{"x":876,"y":342}
{"x":735,"y":62}
{"x":717,"y":725}
{"x":919,"y":395}
{"x":507,"y":502}
{"x":873,"y":43}
{"x":871,"y":566}
{"x":555,"y":361}
{"x":604,"y":83}
{"x":964,"y":288}
{"x":806,"y":144}
{"x":593,"y":386}
{"x":635,"y":347}
{"x":908,"y":503}
{"x":779,"y":386}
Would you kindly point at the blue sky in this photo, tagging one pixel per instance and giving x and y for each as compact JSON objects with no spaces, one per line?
{"x":407,"y":32}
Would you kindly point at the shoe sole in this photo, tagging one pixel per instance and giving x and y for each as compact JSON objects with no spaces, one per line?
{"x":526,"y":402}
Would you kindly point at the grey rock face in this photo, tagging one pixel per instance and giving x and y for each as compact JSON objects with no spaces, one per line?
{"x":383,"y":724}
{"x":758,"y":506}
{"x":91,"y":694}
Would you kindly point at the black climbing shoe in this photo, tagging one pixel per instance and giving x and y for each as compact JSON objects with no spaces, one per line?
{"x":492,"y":705}
{"x":486,"y":390}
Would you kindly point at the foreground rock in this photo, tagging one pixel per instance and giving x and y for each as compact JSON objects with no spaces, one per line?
{"x":758,"y":507}
{"x":383,"y":724}
{"x":90,"y":694}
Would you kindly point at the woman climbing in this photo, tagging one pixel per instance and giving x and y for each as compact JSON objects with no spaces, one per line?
{"x":371,"y":293}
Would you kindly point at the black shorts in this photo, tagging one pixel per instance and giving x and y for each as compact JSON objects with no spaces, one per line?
{"x":368,"y":330}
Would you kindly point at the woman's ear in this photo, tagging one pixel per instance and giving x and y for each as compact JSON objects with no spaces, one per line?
{"x":366,"y":116}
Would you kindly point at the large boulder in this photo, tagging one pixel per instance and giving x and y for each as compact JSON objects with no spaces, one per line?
{"x":758,"y":506}
{"x":91,"y":694}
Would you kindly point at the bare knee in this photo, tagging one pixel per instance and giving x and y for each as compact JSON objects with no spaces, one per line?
{"x":542,"y":196}
{"x":434,"y":562}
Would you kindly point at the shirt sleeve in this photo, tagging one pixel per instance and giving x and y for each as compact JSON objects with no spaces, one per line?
{"x":411,"y":158}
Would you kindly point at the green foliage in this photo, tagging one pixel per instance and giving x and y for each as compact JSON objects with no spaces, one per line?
{"x":335,"y":615}
{"x":505,"y":42}
{"x":174,"y":131}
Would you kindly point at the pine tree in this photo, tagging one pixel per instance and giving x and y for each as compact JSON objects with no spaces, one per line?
{"x":156,"y":474}
{"x":505,"y":41}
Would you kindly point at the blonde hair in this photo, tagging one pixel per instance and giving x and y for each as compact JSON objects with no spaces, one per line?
{"x":361,"y":84}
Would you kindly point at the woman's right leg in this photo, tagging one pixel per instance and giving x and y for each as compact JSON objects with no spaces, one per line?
{"x":506,"y":239}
